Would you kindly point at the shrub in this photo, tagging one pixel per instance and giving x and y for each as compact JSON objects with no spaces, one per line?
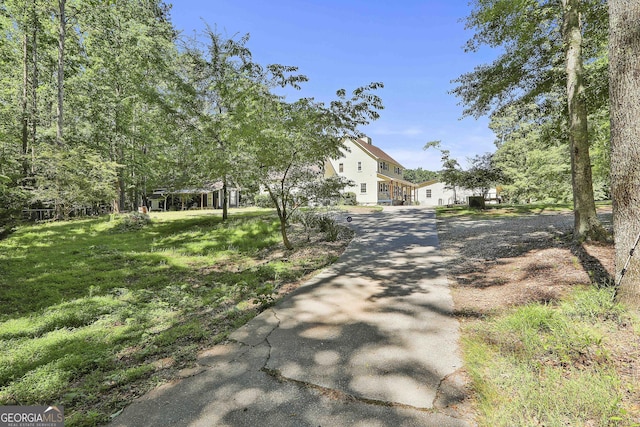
{"x":263,"y":201}
{"x":133,"y":221}
{"x":327,"y":225}
{"x":349,"y":198}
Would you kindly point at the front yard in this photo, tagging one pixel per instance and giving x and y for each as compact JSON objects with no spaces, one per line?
{"x":96,"y":312}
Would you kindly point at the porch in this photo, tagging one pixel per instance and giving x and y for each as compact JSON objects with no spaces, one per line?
{"x":396,"y":191}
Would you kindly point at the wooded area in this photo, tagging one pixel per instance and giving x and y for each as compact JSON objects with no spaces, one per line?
{"x":104,"y":101}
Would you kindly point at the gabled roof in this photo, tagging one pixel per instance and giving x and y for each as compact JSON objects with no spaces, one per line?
{"x":375,"y":151}
{"x":428,"y":183}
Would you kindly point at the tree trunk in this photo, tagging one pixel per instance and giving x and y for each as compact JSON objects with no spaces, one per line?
{"x":624,"y":89}
{"x":586,"y":223}
{"x":34,"y":76}
{"x":25,"y":103}
{"x":282,"y":215}
{"x":61,"y":36}
{"x":283,"y":231}
{"x":225,"y":199}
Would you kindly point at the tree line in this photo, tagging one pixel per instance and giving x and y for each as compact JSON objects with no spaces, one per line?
{"x":103,"y":101}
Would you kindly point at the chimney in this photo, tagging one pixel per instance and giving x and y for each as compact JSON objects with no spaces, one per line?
{"x":366,"y":139}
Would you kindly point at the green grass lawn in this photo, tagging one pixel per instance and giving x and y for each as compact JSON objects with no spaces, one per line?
{"x":507,"y":210}
{"x":500,"y":210}
{"x":549,"y":365}
{"x":90,"y":311}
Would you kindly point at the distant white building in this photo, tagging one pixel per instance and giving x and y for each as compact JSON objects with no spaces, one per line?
{"x":210,"y":196}
{"x":377,"y":177}
{"x":434,"y":193}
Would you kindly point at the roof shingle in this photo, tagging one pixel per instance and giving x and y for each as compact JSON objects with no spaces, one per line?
{"x":376,"y":152}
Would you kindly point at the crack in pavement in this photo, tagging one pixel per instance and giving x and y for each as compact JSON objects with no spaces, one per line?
{"x":266,"y":339}
{"x":344,"y":397}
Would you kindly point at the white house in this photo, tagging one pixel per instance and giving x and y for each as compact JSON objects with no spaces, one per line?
{"x":434,"y":193}
{"x":377,"y":177}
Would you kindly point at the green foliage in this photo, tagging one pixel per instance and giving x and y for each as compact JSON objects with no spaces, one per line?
{"x":540,"y":364}
{"x":531,"y":65}
{"x":301,"y":136}
{"x":119,"y":87}
{"x":543,"y":46}
{"x":533,"y":157}
{"x":349,"y":198}
{"x":85,"y":327}
{"x":483,"y":174}
{"x":12,"y":199}
{"x":73,"y":178}
{"x":132,"y":221}
{"x":419,"y":175}
{"x":322,"y":220}
{"x":263,"y":201}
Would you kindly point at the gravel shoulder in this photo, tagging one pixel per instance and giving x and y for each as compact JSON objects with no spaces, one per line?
{"x":501,"y":262}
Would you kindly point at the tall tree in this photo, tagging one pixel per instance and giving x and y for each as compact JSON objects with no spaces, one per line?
{"x":483,"y":174}
{"x":62,"y":33}
{"x":451,"y":173}
{"x":624,"y":78}
{"x":229,"y":88}
{"x":129,"y":47}
{"x":545,"y":44}
{"x":586,"y":223}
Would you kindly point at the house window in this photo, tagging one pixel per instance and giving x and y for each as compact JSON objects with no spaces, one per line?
{"x":359,"y":166}
{"x":429,"y":193}
{"x":363,"y":187}
{"x":341,"y":167}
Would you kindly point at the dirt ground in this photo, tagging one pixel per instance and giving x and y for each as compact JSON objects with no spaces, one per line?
{"x":494,"y":264}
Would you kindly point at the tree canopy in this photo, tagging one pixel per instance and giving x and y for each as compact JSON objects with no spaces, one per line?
{"x":103,"y":101}
{"x":545,"y":46}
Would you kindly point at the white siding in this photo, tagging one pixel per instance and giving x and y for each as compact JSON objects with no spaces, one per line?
{"x":366,"y":175}
{"x":442,"y":196}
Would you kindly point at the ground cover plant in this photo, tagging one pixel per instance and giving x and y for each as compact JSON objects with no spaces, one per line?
{"x":95,"y":312}
{"x":544,"y":342}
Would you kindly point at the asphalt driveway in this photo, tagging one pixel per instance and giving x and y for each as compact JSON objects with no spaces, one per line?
{"x":370,"y":341}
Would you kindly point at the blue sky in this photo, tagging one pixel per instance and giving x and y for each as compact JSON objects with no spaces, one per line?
{"x":414,"y":47}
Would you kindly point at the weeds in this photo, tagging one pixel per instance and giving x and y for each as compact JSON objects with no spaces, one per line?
{"x":548,"y":365}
